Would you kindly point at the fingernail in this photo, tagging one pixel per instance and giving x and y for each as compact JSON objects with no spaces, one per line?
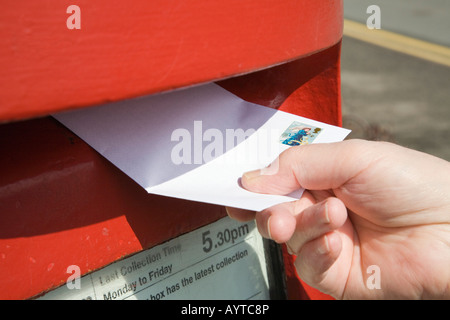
{"x":325,"y":219}
{"x":252,"y":174}
{"x":324,"y":247}
{"x":289,"y":250}
{"x":268,"y":227}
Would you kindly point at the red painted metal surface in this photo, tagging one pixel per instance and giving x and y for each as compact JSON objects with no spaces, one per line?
{"x":125,"y":50}
{"x":61,"y":203}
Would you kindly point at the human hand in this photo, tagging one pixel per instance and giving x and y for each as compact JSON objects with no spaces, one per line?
{"x":365,"y":204}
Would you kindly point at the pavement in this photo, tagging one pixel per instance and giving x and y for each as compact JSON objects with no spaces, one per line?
{"x":391,"y":95}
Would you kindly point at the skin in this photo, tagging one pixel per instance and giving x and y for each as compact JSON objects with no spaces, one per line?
{"x":366,"y":204}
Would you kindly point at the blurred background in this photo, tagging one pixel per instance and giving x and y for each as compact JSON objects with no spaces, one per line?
{"x":393,"y":95}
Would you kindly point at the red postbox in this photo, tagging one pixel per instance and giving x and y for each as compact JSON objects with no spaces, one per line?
{"x":63,"y":204}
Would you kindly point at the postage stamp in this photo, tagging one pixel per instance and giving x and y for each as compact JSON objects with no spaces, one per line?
{"x":299,"y":134}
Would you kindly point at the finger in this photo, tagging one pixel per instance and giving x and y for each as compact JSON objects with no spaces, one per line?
{"x":240,"y":214}
{"x":316,"y":258}
{"x":278,"y":222}
{"x":325,"y":262}
{"x":317,"y":220}
{"x":316,"y":167}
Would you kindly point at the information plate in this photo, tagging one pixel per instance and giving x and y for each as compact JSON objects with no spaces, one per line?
{"x":223,"y":260}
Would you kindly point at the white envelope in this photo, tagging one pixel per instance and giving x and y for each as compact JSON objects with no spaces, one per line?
{"x":195,"y":143}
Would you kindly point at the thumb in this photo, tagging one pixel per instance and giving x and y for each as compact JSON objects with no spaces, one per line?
{"x":320,"y":166}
